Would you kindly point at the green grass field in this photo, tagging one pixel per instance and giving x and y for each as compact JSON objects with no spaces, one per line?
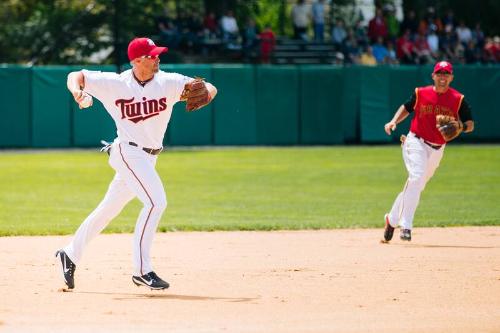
{"x":252,"y":189}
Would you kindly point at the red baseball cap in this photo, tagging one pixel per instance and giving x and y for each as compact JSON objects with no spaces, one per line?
{"x":443,"y":66}
{"x":139,"y":47}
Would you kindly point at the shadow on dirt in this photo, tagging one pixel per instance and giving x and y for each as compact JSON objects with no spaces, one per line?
{"x":128,"y":296}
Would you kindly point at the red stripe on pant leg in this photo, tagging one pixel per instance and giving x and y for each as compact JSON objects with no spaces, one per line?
{"x":151,"y":200}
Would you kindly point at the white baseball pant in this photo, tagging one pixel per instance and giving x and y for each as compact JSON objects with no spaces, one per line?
{"x":421,"y":161}
{"x":135,"y":177}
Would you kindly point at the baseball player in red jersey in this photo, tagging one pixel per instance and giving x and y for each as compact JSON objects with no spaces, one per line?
{"x":424,"y":145}
{"x":140,"y":101}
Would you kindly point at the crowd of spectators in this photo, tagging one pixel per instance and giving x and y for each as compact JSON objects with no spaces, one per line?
{"x":193,"y":33}
{"x":384,"y":40}
{"x":420,"y":40}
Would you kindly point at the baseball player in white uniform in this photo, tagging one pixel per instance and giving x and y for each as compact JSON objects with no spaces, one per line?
{"x":140,"y":101}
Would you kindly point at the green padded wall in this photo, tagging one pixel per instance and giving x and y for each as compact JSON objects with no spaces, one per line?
{"x":51,"y":107}
{"x":351,"y":103}
{"x":485,"y":104}
{"x":277,"y":105}
{"x":235,"y":107}
{"x":91,"y":125}
{"x":15,"y":114}
{"x":190,"y":128}
{"x":403,"y":81}
{"x":375,"y":98}
{"x":321,"y":93}
{"x":255,"y":105}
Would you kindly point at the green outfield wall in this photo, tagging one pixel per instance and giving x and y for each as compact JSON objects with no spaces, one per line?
{"x":256,"y":105}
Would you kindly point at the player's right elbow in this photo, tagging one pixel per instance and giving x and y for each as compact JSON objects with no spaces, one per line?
{"x":76,"y":79}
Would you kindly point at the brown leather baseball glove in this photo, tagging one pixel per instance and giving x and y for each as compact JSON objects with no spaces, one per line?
{"x":449,"y":127}
{"x":195,"y":94}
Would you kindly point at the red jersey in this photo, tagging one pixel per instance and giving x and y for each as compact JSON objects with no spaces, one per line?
{"x":267,"y":42}
{"x":427,"y":106}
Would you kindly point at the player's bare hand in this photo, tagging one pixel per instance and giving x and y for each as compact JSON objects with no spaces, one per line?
{"x":390,"y":126}
{"x":77,"y":95}
{"x":83,"y":99}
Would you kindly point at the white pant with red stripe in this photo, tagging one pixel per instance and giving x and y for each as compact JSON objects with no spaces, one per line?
{"x":135,"y":177}
{"x":421,"y":161}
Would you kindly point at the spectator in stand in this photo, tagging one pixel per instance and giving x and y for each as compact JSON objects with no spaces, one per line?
{"x":410,"y":22}
{"x":250,"y":39}
{"x":430,"y":19}
{"x":433,"y":41}
{"x":194,"y":33}
{"x":449,"y":19}
{"x":496,"y":43}
{"x":361,"y":34}
{"x":250,"y":34}
{"x":183,"y":26}
{"x":478,"y":36}
{"x":380,"y":51}
{"x":422,"y":50}
{"x":377,"y":27}
{"x":181,"y":22}
{"x":339,"y":34}
{"x":210,"y":25}
{"x":391,"y":54}
{"x":168,"y":31}
{"x":472,"y":53}
{"x":267,"y":43}
{"x":318,"y":16}
{"x":351,"y":49}
{"x":300,"y":19}
{"x":229,"y":28}
{"x":464,"y":34}
{"x":492,"y":50}
{"x":391,"y":22}
{"x":459,"y":53}
{"x":405,"y":50}
{"x":367,"y":57}
{"x":447,"y":44}
{"x":339,"y":59}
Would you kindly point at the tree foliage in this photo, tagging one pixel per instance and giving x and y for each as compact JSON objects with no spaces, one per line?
{"x":44,"y":31}
{"x":70,"y":31}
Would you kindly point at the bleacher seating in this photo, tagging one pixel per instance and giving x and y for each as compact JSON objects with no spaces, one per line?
{"x":290,"y":51}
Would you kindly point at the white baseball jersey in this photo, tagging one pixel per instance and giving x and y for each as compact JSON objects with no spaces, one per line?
{"x":141,"y":113}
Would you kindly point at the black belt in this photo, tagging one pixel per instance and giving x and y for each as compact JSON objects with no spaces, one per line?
{"x":150,"y":151}
{"x":433,"y":146}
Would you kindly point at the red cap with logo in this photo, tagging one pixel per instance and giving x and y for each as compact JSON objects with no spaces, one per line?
{"x":139,"y":47}
{"x":443,"y":66}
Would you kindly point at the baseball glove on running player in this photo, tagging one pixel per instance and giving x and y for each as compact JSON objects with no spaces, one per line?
{"x":449,"y":127}
{"x":195,"y":94}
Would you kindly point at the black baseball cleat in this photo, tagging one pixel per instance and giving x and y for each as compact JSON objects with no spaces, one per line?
{"x":405,"y":234}
{"x":389,"y":229}
{"x":150,"y":280}
{"x":68,"y":269}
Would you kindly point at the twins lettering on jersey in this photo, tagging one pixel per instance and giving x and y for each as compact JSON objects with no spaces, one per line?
{"x":138,"y":111}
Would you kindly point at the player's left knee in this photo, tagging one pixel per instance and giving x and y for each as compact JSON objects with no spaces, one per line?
{"x":161,"y":203}
{"x":417,"y":183}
